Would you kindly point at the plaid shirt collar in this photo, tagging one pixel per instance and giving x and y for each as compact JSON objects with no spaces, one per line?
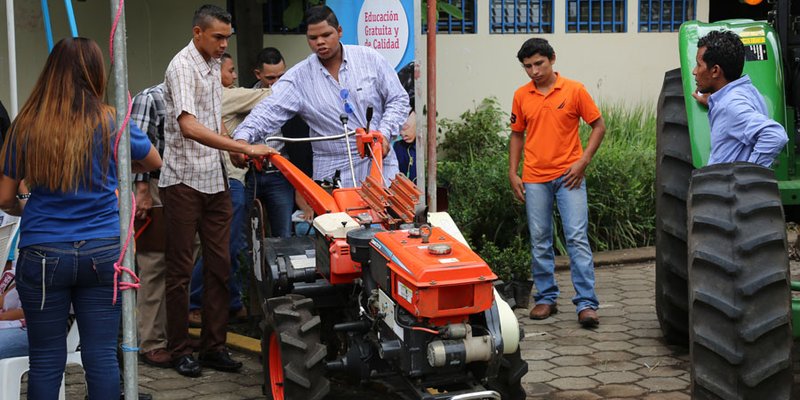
{"x":205,"y":67}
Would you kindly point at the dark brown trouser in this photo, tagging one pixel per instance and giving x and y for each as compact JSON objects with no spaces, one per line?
{"x":187,"y":212}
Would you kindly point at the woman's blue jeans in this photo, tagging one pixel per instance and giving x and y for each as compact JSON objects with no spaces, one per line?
{"x":572,"y":206}
{"x":52,"y":276}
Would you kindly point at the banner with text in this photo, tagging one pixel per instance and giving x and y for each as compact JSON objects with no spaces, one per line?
{"x":385,"y":25}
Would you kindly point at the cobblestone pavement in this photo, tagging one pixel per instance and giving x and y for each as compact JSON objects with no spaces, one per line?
{"x":624,"y":357}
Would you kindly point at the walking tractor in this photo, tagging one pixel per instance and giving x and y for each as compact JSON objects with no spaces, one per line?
{"x":382,"y":292}
{"x":722,"y":273}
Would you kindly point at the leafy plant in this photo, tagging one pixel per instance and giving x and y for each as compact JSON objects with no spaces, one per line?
{"x":620,"y":179}
{"x":512,"y":262}
{"x":442,"y":7}
{"x":480,"y":131}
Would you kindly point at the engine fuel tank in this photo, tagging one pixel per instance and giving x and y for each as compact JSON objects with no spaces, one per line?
{"x":433,"y":275}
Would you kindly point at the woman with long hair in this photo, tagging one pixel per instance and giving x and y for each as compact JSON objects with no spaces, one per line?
{"x":61,"y":144}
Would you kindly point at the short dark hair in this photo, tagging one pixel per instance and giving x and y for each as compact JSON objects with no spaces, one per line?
{"x":225,"y":56}
{"x":534,"y":46}
{"x":204,"y":15}
{"x":320,"y":13}
{"x":269,"y":56}
{"x":724,"y":48}
{"x":406,"y":76}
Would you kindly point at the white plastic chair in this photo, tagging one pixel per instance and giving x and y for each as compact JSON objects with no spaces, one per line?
{"x":12,"y":369}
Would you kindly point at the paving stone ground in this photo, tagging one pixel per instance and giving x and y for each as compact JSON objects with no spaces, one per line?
{"x":624,"y":358}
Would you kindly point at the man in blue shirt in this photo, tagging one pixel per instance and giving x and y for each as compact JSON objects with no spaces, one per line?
{"x":741,"y":129}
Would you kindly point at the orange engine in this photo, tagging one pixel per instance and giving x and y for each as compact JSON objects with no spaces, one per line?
{"x":431,"y":274}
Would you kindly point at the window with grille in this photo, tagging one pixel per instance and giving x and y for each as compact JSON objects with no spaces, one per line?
{"x":521,"y":16}
{"x":665,"y":15}
{"x":448,"y":24}
{"x":594,"y":16}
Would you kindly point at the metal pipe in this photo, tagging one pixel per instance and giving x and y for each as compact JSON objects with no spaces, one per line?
{"x":431,"y":69}
{"x":71,"y":18}
{"x":12,"y":58}
{"x":48,"y":29}
{"x":422,"y":140}
{"x":309,"y":139}
{"x":129,"y":341}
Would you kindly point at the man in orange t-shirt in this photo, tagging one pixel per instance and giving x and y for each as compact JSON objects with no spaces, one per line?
{"x":545,"y":116}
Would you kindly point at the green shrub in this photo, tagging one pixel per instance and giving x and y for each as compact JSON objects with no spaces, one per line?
{"x":481,"y":201}
{"x":510,"y":262}
{"x":620,"y":179}
{"x":481,"y":132}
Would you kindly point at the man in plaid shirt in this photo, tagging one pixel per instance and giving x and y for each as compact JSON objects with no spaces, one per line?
{"x":149,"y":113}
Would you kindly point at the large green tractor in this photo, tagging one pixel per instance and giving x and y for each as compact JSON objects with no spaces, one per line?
{"x":722,"y":272}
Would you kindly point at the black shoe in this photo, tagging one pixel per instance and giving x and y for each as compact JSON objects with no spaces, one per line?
{"x":186,"y":365}
{"x":220,"y":361}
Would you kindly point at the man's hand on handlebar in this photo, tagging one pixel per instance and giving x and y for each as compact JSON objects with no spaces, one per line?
{"x":260,"y":151}
{"x":251,"y":151}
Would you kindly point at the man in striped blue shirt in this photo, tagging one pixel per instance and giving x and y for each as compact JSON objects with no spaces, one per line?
{"x":337,"y":79}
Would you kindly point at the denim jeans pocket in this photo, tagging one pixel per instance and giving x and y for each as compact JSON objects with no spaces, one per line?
{"x":103,"y":266}
{"x":36,"y":268}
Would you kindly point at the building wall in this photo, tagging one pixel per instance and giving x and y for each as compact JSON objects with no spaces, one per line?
{"x":626,"y":67}
{"x":614,"y":67}
{"x":156,"y":29}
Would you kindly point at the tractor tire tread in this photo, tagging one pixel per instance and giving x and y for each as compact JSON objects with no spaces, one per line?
{"x":739,"y":291}
{"x":297,"y":327}
{"x":673,"y":171}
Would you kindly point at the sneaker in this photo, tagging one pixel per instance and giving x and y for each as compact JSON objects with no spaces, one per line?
{"x":196,"y":318}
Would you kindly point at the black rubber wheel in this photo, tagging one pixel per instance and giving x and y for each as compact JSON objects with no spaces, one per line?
{"x":292,"y":355}
{"x":673,"y":172}
{"x":509,"y":378}
{"x":739,"y":294}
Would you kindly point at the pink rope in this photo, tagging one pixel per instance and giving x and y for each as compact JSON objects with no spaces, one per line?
{"x":118,"y":267}
{"x":114,"y":30}
{"x":124,"y":124}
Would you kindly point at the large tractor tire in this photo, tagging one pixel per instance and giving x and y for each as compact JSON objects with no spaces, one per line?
{"x":739,"y":293}
{"x":292,"y":355}
{"x":673,"y":172}
{"x":509,"y":378}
